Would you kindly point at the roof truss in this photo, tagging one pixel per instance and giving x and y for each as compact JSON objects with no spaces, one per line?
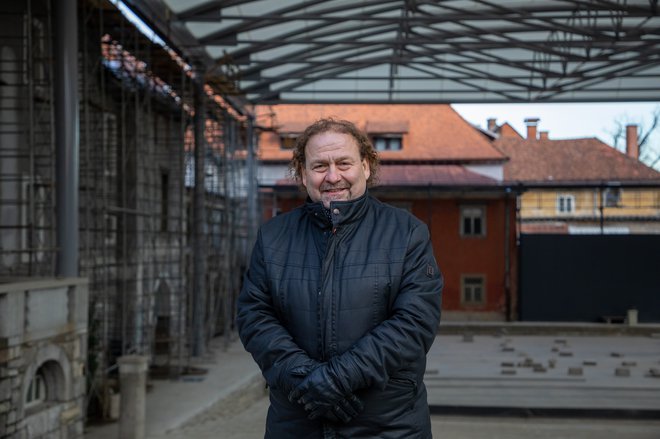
{"x":411,"y":51}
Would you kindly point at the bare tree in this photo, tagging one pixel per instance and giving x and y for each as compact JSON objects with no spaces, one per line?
{"x":649,"y":145}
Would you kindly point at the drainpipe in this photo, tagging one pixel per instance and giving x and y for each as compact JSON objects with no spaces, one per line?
{"x":66,"y":136}
{"x":252,"y":185}
{"x":507,"y":258}
{"x":601,"y":196}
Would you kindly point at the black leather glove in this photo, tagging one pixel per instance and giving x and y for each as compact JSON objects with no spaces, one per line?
{"x":345,"y":410}
{"x":287,"y":375}
{"x":290,"y":378}
{"x":322,"y":392}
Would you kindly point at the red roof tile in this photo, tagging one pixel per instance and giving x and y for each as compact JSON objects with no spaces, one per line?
{"x":422,"y":175}
{"x":571,"y":160}
{"x":433,"y":175}
{"x":432,"y":132}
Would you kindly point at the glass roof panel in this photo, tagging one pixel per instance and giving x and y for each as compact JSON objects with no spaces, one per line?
{"x":258,"y":7}
{"x":276,"y":30}
{"x":178,"y":6}
{"x":282,"y":69}
{"x":278,"y":52}
{"x":202,"y":29}
{"x":512,"y":49}
{"x":218,"y":51}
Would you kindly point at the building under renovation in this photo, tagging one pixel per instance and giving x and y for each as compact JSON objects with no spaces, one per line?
{"x":161,"y":209}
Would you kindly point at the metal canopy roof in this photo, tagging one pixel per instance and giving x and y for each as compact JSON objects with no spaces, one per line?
{"x":416,"y":51}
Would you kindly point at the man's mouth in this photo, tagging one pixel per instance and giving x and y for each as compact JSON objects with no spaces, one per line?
{"x":334,"y":190}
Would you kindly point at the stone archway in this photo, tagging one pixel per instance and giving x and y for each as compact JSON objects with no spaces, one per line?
{"x":51,"y":368}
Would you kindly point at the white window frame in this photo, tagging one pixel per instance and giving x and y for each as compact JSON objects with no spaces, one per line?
{"x":562,"y":207}
{"x":390,"y":141}
{"x":472,"y":212}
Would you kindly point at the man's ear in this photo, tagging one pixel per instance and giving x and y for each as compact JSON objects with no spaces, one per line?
{"x":303,"y":177}
{"x":367,"y":168}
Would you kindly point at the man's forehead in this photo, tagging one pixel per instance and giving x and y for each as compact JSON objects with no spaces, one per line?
{"x":329,"y":141}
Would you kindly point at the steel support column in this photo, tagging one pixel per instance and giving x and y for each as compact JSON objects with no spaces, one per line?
{"x":66,"y":135}
{"x":199,"y":222}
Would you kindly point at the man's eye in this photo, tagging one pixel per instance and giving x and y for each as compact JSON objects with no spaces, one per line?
{"x":319,"y":167}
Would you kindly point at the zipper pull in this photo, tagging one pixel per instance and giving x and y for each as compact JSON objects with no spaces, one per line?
{"x":335,"y":212}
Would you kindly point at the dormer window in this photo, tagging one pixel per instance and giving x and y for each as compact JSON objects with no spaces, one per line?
{"x":288,"y":140}
{"x":387,"y":142}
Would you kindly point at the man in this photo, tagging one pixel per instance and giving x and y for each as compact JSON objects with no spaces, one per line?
{"x":341,"y":301}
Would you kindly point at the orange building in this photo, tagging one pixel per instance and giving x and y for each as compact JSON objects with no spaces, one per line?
{"x":437,"y":166}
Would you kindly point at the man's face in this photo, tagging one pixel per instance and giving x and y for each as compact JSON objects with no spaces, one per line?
{"x":333,"y":168}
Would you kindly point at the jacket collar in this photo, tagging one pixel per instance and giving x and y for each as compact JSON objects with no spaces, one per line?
{"x":341,"y":212}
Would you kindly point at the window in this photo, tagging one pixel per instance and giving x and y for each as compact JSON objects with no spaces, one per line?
{"x":387,"y":142}
{"x":565,"y":203}
{"x":36,"y":393}
{"x":164,"y":200}
{"x":473,"y":290}
{"x":110,"y":220}
{"x":288,"y":140}
{"x":612,"y":197}
{"x":473,"y":221}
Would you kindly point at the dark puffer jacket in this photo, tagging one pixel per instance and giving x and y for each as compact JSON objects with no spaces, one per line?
{"x":361,"y":290}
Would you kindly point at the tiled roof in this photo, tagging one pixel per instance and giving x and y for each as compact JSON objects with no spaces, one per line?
{"x":571,"y":160}
{"x":506,"y":130}
{"x":430,"y":132}
{"x":434,"y":175}
{"x":422,"y":175}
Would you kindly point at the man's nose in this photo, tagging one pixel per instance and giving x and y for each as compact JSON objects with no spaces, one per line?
{"x":333,"y":175}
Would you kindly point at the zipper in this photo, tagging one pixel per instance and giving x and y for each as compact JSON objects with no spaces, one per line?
{"x":325,"y":293}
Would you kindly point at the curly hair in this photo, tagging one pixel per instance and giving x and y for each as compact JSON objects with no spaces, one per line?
{"x":367,"y":150}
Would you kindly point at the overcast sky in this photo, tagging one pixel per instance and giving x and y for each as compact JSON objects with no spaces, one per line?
{"x":566,"y":121}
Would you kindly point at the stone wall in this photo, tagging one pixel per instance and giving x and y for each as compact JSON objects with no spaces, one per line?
{"x":43,"y":348}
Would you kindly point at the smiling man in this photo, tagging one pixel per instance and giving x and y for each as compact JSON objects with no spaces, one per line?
{"x":334,"y":170}
{"x":341,"y":301}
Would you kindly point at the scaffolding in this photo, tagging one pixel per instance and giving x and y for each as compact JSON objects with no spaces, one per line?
{"x":136,"y":183}
{"x":26,"y":142}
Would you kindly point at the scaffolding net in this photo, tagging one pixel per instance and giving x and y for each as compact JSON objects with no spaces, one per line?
{"x":136,"y":184}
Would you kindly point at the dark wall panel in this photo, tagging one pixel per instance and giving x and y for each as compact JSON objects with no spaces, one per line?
{"x":585,"y":277}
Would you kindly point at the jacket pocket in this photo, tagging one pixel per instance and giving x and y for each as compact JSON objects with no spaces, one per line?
{"x":395,"y":400}
{"x":407,"y":387}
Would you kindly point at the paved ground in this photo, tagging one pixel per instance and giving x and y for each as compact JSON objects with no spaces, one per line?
{"x":591,"y":373}
{"x":249,"y":424}
{"x":574,"y":375}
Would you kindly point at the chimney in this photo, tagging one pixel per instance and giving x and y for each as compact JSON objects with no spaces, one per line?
{"x":632,"y":148}
{"x":543,"y":135}
{"x":532,"y":123}
{"x":492,"y":124}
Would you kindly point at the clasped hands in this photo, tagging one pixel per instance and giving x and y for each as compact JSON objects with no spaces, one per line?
{"x":321,"y":394}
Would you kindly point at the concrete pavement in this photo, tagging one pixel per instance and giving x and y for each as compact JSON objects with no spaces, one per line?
{"x":569,"y":375}
{"x":232,"y":381}
{"x":590,"y":375}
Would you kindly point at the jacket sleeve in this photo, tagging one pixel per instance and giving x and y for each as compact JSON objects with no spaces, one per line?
{"x":280,"y":359}
{"x":407,"y":335}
